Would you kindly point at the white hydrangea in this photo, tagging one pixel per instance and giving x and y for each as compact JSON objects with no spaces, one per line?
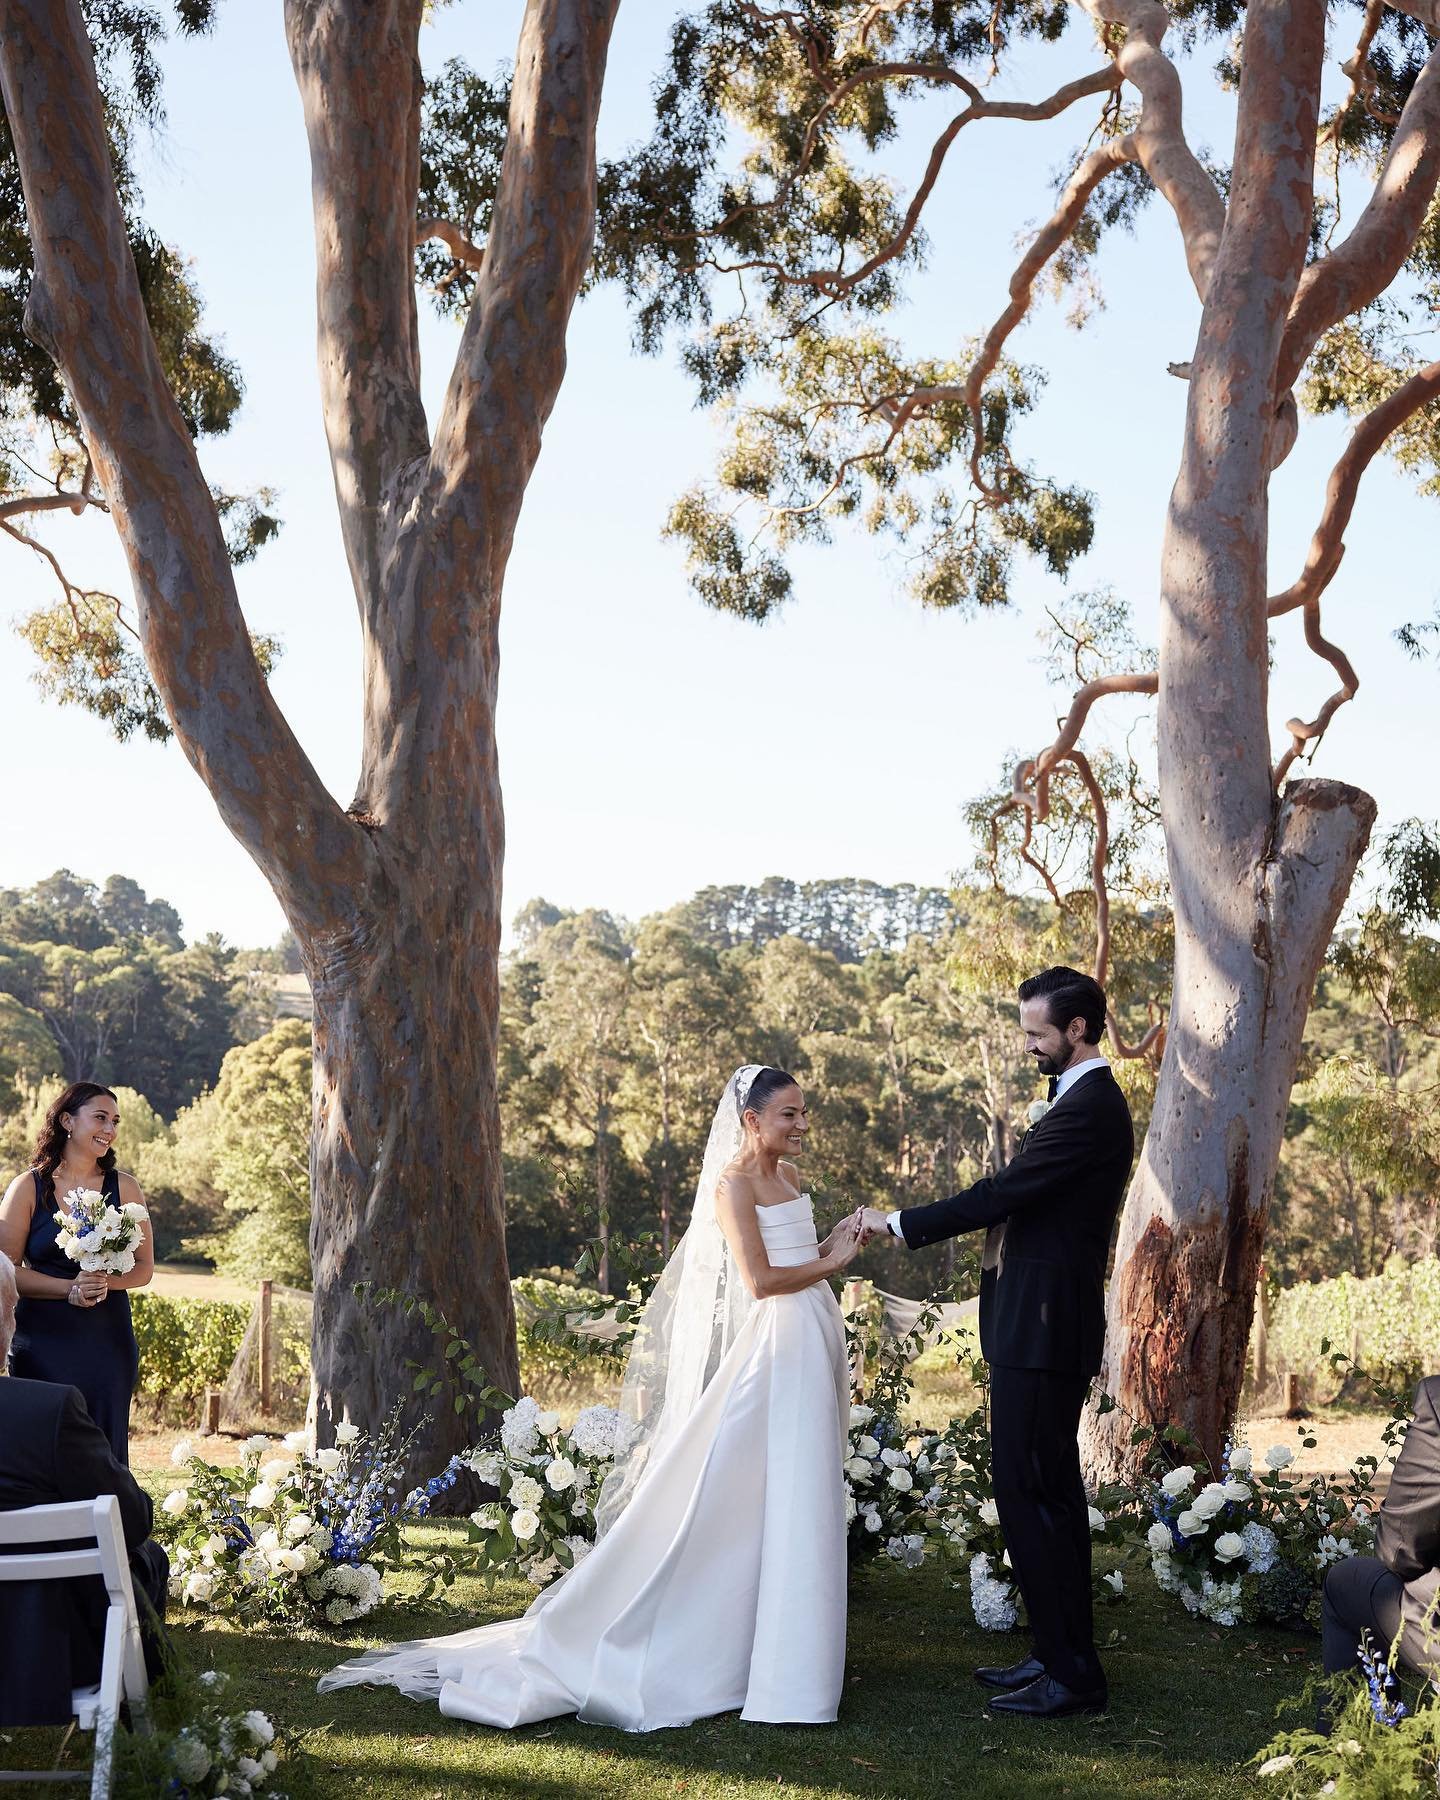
{"x":873,"y":1521}
{"x":1162,"y":1567}
{"x":598,"y":1431}
{"x":992,"y":1601}
{"x":488,"y":1518}
{"x":518,"y":1427}
{"x":526,"y":1492}
{"x":189,"y":1756}
{"x":580,"y":1548}
{"x":541,"y":1570}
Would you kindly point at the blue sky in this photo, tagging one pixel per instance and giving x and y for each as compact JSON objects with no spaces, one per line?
{"x":649,"y":747}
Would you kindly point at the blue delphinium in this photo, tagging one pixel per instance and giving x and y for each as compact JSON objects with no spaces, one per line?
{"x":1381,"y":1683}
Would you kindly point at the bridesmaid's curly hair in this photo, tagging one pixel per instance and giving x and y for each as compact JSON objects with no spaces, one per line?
{"x":50,"y":1144}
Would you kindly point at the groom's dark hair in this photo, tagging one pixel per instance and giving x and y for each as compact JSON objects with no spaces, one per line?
{"x":1068,"y":995}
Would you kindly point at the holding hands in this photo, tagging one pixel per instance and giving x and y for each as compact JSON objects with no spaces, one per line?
{"x":852,"y":1233}
{"x":89,"y":1288}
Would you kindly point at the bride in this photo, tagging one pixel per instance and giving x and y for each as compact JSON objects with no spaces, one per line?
{"x":718,"y":1577}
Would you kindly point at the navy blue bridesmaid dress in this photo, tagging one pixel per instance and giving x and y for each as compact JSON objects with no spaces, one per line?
{"x":92,"y":1348}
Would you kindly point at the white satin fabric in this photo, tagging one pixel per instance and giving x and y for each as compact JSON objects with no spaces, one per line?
{"x":721,"y":1585}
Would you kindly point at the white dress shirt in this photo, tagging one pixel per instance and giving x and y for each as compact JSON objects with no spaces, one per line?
{"x":1076,"y":1072}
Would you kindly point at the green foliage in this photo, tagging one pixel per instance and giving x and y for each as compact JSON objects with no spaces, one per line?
{"x":1388,"y":1322}
{"x":185,"y":1346}
{"x":256,"y":1124}
{"x":1368,"y":1754}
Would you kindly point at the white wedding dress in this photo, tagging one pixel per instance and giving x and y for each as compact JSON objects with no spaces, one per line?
{"x":722,"y":1583}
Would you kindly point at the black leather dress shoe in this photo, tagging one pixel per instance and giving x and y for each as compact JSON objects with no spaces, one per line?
{"x":1047,"y":1698}
{"x":1018,"y":1675}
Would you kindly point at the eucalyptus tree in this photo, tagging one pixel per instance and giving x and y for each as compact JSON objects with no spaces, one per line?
{"x":394,"y":898}
{"x":756,"y":183}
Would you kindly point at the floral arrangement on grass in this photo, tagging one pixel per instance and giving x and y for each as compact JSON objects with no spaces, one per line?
{"x":1255,"y":1543}
{"x":202,"y":1745}
{"x":548,"y":1478}
{"x":1377,"y":1744}
{"x":295,"y":1531}
{"x":899,"y":1492}
{"x":98,"y":1236}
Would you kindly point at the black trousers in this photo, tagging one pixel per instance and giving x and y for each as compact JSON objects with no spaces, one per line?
{"x":1360,"y":1594}
{"x":1035,"y":1466}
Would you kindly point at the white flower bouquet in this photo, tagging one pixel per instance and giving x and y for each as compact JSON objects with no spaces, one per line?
{"x":548,"y":1478}
{"x":98,"y":1236}
{"x":296,"y":1531}
{"x":1254,"y":1544}
{"x":201,"y":1745}
{"x":900,"y":1488}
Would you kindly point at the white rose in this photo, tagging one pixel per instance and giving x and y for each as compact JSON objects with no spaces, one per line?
{"x":560,"y":1474}
{"x":1115,"y":1581}
{"x":1206,"y":1505}
{"x":901,"y":1480}
{"x":1236,"y":1490}
{"x":132,"y":1209}
{"x":861,"y":1415}
{"x":1036,"y":1111}
{"x":182,"y":1452}
{"x":525,"y":1524}
{"x":858,"y":1469}
{"x":259,"y":1727}
{"x":892,"y":1459}
{"x":547,"y":1423}
{"x":270,"y":1762}
{"x":990,"y":1512}
{"x":250,"y":1769}
{"x":261,"y":1495}
{"x":255,"y":1446}
{"x":199,"y":1587}
{"x":300,"y":1526}
{"x":268,"y":1540}
{"x":872,"y":1521}
{"x":1277,"y":1765}
{"x":1158,"y":1539}
{"x":1241,"y":1458}
{"x":175,"y":1502}
{"x":328,"y":1461}
{"x":1178,"y":1480}
{"x":1228,"y":1546}
{"x":1277,"y":1457}
{"x":213,"y":1548}
{"x":346,"y":1433}
{"x":1191,"y":1524}
{"x":1097,"y":1518}
{"x":276,"y":1470}
{"x":867,"y":1446}
{"x":296,"y":1441}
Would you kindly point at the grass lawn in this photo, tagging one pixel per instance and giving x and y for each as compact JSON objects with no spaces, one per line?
{"x":1190,"y":1704}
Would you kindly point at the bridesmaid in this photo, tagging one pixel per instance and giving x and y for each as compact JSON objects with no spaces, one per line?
{"x":72,"y":1326}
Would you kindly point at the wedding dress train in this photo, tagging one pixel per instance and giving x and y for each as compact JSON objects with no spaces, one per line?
{"x":722,"y":1583}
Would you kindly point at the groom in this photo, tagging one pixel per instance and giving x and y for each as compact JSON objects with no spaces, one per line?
{"x":1048,"y":1215}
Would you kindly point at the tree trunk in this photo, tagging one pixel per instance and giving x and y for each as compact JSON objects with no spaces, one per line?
{"x":405,"y":1155}
{"x":1258,"y":882}
{"x":395,"y":899}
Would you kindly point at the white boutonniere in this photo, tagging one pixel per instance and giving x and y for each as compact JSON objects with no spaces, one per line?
{"x":1037,"y":1111}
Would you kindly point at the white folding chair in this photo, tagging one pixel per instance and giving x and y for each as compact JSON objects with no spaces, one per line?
{"x":95,"y":1526}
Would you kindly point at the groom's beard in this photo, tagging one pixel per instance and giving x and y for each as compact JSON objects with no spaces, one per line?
{"x":1056,"y":1065}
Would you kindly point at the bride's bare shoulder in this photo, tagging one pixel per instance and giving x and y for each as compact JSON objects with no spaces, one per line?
{"x":734,"y":1185}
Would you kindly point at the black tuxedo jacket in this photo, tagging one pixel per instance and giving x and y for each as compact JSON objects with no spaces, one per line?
{"x":1050,"y":1212}
{"x":51,"y":1632}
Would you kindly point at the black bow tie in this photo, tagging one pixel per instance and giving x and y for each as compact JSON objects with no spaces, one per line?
{"x":1054,"y":1088}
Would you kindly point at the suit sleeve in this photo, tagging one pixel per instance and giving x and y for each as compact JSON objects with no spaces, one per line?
{"x":1058,"y":1144}
{"x":86,"y":1466}
{"x":1408,"y":1535}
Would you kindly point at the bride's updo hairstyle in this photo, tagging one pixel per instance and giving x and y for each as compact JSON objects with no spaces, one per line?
{"x":763,"y":1089}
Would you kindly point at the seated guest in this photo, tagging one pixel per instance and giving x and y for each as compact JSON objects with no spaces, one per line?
{"x":52,"y":1632}
{"x":1396,"y":1595}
